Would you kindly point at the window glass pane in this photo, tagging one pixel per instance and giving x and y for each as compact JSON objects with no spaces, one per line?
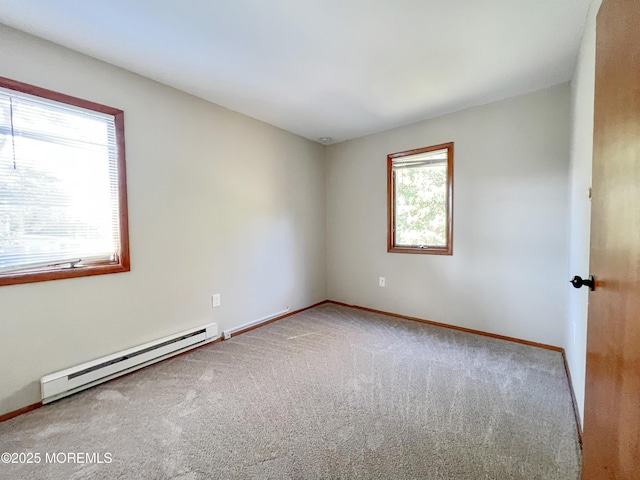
{"x":421,"y":205}
{"x":58,"y":184}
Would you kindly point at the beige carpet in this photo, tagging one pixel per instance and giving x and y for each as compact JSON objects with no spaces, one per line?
{"x":332,"y":392}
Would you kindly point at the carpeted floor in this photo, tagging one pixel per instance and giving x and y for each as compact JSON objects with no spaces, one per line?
{"x":332,"y":392}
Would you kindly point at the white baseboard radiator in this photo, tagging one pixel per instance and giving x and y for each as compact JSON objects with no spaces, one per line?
{"x":72,"y":380}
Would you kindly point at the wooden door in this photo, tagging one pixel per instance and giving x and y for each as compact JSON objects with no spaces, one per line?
{"x":612,"y":398}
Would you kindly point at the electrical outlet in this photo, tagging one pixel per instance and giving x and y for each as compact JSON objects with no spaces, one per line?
{"x":215,"y":300}
{"x":381,"y":282}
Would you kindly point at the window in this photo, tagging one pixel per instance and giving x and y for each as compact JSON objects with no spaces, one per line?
{"x":420,"y":195}
{"x":63,"y":196}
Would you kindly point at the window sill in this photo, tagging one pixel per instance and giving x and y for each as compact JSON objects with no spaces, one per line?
{"x":422,"y":251}
{"x":62,"y":273}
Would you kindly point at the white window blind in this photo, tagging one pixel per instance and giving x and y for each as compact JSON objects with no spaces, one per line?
{"x":58,"y":184}
{"x":434,"y":158}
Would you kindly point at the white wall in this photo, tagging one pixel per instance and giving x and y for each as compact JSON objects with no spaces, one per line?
{"x":582,"y":101}
{"x":508,"y":273}
{"x":218,"y":203}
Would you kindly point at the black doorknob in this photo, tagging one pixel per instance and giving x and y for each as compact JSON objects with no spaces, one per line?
{"x":578,"y":282}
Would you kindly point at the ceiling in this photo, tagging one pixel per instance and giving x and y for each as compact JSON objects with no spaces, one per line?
{"x":324,"y":68}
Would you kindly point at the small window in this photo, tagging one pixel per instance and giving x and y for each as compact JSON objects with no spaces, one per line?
{"x":63,"y":197}
{"x":420,"y":195}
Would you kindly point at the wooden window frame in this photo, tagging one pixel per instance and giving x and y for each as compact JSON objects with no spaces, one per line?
{"x":122,"y":263}
{"x":391,"y":245}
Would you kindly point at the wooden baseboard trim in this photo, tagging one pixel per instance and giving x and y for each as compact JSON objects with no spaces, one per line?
{"x":267,"y":322}
{"x":454,"y":327}
{"x":34,"y":406}
{"x":573,"y":398}
{"x":20,"y":411}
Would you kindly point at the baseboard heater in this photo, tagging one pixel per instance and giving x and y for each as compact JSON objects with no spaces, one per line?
{"x":226,"y":334}
{"x":72,"y":380}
